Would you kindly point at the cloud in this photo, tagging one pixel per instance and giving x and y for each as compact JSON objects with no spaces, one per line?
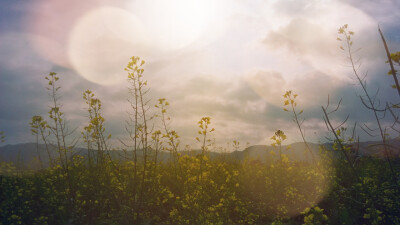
{"x":383,"y":12}
{"x":310,"y":34}
{"x":19,"y":70}
{"x":268,"y":84}
{"x":314,"y":87}
{"x":17,"y":54}
{"x":303,"y":38}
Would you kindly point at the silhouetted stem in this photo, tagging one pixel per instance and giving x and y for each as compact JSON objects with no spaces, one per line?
{"x":340,"y":143}
{"x":390,"y":62}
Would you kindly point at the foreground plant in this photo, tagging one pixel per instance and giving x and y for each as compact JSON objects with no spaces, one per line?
{"x":39,"y":128}
{"x":368,"y":101}
{"x":278,"y":138}
{"x":94,"y":133}
{"x":290,"y":102}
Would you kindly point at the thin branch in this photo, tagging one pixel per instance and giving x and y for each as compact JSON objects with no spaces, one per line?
{"x":390,"y":61}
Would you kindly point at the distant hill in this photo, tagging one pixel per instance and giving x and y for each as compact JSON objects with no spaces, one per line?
{"x":27,"y":153}
{"x":297,"y":152}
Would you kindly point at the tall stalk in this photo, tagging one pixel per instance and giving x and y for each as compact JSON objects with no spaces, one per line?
{"x":60,"y":132}
{"x":38,"y":128}
{"x":393,"y":71}
{"x":290,"y":100}
{"x":205,"y":142}
{"x":139,"y":120}
{"x":370,"y":101}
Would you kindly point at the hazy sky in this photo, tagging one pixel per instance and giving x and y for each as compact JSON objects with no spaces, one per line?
{"x":231,"y":60}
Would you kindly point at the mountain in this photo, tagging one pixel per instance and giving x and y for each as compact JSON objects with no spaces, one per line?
{"x":296,"y":152}
{"x":27,"y":153}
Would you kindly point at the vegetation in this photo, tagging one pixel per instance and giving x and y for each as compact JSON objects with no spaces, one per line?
{"x":336,"y":187}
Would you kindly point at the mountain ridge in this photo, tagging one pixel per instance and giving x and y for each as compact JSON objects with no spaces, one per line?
{"x":25,"y":153}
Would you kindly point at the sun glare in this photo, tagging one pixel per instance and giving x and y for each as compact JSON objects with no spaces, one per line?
{"x":177,"y":23}
{"x":147,"y":27}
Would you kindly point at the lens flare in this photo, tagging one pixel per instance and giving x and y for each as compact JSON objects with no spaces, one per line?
{"x":102,"y":42}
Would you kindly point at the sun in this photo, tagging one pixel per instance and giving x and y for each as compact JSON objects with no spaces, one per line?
{"x":175,"y":24}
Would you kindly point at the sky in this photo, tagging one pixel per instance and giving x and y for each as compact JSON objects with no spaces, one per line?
{"x":229,"y":60}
